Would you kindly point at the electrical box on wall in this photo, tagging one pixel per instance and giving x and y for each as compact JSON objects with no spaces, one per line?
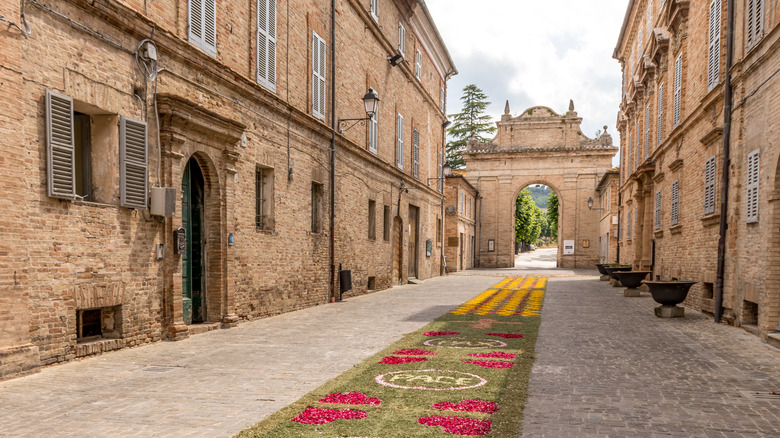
{"x":164,"y":201}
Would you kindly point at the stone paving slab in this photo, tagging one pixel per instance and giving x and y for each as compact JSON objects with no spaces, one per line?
{"x":606,"y":366}
{"x":218,"y":383}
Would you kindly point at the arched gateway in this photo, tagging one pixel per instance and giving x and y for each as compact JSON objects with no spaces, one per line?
{"x":539,"y":147}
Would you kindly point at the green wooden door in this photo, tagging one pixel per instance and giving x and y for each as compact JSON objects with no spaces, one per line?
{"x":193,"y":292}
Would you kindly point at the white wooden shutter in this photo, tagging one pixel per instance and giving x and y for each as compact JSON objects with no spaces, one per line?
{"x":647,"y":131}
{"x":416,"y":154}
{"x":640,"y":43}
{"x":266,"y":43}
{"x":400,"y":142}
{"x":628,"y":226}
{"x":710,"y":168}
{"x":636,"y":146}
{"x":636,"y":220}
{"x":402,"y":39}
{"x":675,"y":202}
{"x":754,"y":17}
{"x":753,"y":173}
{"x":441,"y":171}
{"x":133,"y":156}
{"x":677,"y":89}
{"x":658,"y":210}
{"x":650,"y":17}
{"x":374,"y":8}
{"x":442,"y":99}
{"x":660,"y":127}
{"x":418,"y":64}
{"x":713,"y":57}
{"x":60,"y":150}
{"x":373,"y":127}
{"x":318,"y":76}
{"x":203,"y":25}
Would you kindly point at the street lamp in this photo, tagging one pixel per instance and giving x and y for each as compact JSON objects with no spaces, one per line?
{"x":371,"y":102}
{"x":446,"y":170}
{"x":590,"y":205}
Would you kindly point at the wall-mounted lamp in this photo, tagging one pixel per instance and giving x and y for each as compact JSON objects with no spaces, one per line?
{"x":397,"y":59}
{"x":371,"y":102}
{"x":590,"y":205}
{"x":445,"y":124}
{"x":446,"y":170}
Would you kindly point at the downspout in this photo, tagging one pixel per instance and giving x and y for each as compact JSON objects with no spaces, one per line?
{"x":440,"y":183}
{"x":333,"y":295}
{"x":724,"y":185}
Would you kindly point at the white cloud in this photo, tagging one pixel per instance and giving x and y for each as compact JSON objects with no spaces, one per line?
{"x":536,"y":53}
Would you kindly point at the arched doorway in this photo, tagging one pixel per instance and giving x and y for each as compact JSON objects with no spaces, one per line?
{"x":536,"y":219}
{"x":194,"y":257}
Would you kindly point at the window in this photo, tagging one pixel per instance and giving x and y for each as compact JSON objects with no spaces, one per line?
{"x":636,"y":220}
{"x":133,"y":150}
{"x":675,"y":203}
{"x":400,"y":142}
{"x":266,"y":43}
{"x":620,"y":227}
{"x":264,"y":190}
{"x":438,"y":230}
{"x":418,"y":65}
{"x":316,"y":207}
{"x":416,"y":154}
{"x":374,"y":8}
{"x":636,"y":147}
{"x":373,"y":128}
{"x":660,"y":128}
{"x":628,"y":149}
{"x":386,"y":228}
{"x":649,"y":17}
{"x":658,"y":210}
{"x":713,"y":65}
{"x":89,"y":324}
{"x":440,"y":179}
{"x":202,"y":33}
{"x":754,"y":17}
{"x":371,"y":219}
{"x":628,"y":226}
{"x":443,"y":99}
{"x":640,"y":44}
{"x":677,"y":89}
{"x":402,"y":39}
{"x":647,"y":131}
{"x":462,"y":202}
{"x":709,"y":185}
{"x":317,"y":76}
{"x":753,"y":172}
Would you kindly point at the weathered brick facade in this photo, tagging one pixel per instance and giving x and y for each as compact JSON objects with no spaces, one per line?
{"x":460,"y":229}
{"x":607,"y":205}
{"x":673,"y":56}
{"x":82,"y":275}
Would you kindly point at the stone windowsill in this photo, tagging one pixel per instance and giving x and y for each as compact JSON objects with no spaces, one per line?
{"x":677,"y":229}
{"x":710,"y":219}
{"x":658,"y":233}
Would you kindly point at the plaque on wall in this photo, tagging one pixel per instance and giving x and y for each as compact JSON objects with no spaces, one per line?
{"x":568,"y":247}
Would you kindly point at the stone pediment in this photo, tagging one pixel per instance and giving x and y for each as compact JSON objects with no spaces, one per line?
{"x":538,"y":112}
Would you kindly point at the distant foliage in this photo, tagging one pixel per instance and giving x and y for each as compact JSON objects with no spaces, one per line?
{"x":540,"y":195}
{"x":552,"y":215}
{"x":528,"y":225}
{"x":472,"y":119}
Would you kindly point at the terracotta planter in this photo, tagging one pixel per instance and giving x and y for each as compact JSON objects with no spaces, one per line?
{"x":631,"y":280}
{"x":668,"y":294}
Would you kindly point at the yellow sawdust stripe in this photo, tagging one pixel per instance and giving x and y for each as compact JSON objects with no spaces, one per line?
{"x":534,"y":303}
{"x":511,"y":306}
{"x":491,"y":305}
{"x":541,"y":284}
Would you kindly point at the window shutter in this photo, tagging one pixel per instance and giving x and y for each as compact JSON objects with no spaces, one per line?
{"x":640,"y":44}
{"x":647,"y":131}
{"x":416,"y":154}
{"x":713,"y":66}
{"x":318,"y":76}
{"x":658,"y":210}
{"x":373,"y":127}
{"x":675,"y":202}
{"x":649,"y":17}
{"x":441,"y":176}
{"x":442,"y":99}
{"x":402,"y":39}
{"x":636,"y":220}
{"x":374,"y":7}
{"x":133,"y":152}
{"x":266,"y":43}
{"x":400,"y":142}
{"x":195,"y":17}
{"x":677,"y":89}
{"x":60,"y":150}
{"x":210,"y":27}
{"x":628,"y":226}
{"x":754,"y":20}
{"x":709,"y":185}
{"x":660,"y":128}
{"x":753,"y":172}
{"x":418,"y":65}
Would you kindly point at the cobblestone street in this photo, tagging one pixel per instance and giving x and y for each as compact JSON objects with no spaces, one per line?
{"x":606,"y":366}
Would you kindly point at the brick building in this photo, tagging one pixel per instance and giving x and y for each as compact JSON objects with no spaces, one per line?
{"x":460,"y":224}
{"x":235,"y":106}
{"x":607,"y":192}
{"x":700,"y":95}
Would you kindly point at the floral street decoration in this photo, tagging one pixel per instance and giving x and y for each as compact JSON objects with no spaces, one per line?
{"x":416,"y":352}
{"x":393,"y":360}
{"x":490,"y":363}
{"x":325,"y":416}
{"x":350,"y":398}
{"x":505,"y":335}
{"x":484,"y":406}
{"x":494,"y":355}
{"x":458,"y":425}
{"x":440,"y":333}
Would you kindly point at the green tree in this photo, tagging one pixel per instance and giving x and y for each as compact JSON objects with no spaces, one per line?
{"x":472,"y":119}
{"x":552,"y":215}
{"x":528,"y":225}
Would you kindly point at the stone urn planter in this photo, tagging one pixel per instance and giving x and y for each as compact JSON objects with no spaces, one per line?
{"x":631,"y":280}
{"x":611,"y":269}
{"x":669,"y":294}
{"x":603,"y":271}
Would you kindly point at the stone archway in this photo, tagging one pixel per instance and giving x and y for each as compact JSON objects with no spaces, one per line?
{"x":539,"y":147}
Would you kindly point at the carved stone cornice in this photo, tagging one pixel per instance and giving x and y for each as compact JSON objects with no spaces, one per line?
{"x":180,"y":117}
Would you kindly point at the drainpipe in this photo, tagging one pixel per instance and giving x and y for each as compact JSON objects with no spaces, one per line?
{"x":617,"y":250}
{"x":724,"y":184}
{"x":333,"y":295}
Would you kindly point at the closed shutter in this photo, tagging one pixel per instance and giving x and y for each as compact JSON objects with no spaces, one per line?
{"x":677,"y":89}
{"x":660,"y":127}
{"x":647,"y":131}
{"x":443,"y":99}
{"x":416,"y":154}
{"x":133,"y":154}
{"x":629,"y":152}
{"x":709,"y":185}
{"x":753,"y":173}
{"x":713,"y":65}
{"x":374,"y":6}
{"x":400,"y":142}
{"x":373,"y":127}
{"x":636,"y":146}
{"x":649,"y":17}
{"x":266,"y":43}
{"x":628,"y":229}
{"x":60,"y":150}
{"x":754,"y":17}
{"x":203,"y":25}
{"x":658,"y":210}
{"x":636,"y":220}
{"x":640,"y":44}
{"x":418,"y":65}
{"x":675,"y":202}
{"x":441,"y":171}
{"x":318,"y":76}
{"x":402,"y":39}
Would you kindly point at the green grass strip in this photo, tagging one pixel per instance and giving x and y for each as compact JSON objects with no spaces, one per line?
{"x":401,"y":409}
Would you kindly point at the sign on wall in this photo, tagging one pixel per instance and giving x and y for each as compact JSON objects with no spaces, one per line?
{"x":568,"y":247}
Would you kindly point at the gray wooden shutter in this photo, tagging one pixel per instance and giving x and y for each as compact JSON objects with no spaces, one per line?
{"x":318,"y":76}
{"x":416,"y":154}
{"x":675,"y":202}
{"x":660,"y":128}
{"x":202,"y":32}
{"x":677,"y":89}
{"x":402,"y":39}
{"x":713,"y":56}
{"x":441,"y":171}
{"x":710,"y":168}
{"x":628,"y":226}
{"x":373,"y":127}
{"x":374,"y":7}
{"x":649,"y":18}
{"x":640,"y":44}
{"x":418,"y":65}
{"x":195,"y":21}
{"x":754,"y":17}
{"x":133,"y":163}
{"x":636,"y":220}
{"x":636,"y":146}
{"x":60,"y":150}
{"x":266,"y":43}
{"x":400,"y":142}
{"x":658,"y":210}
{"x":647,"y":131}
{"x":753,"y":173}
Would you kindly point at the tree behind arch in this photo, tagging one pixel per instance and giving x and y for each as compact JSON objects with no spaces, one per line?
{"x":552,"y":215}
{"x":472,"y":118}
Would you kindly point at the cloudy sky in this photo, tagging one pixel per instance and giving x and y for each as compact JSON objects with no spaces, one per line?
{"x":536,"y":53}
